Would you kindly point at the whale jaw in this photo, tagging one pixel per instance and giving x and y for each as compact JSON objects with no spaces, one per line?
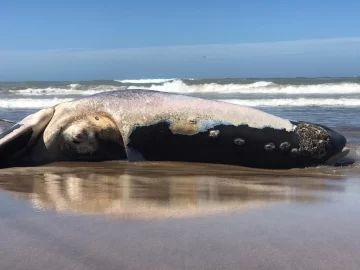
{"x":337,"y":157}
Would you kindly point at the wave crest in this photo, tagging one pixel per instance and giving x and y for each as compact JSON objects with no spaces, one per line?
{"x":178,"y":86}
{"x":145,"y":81}
{"x":265,"y":87}
{"x":74,"y":89}
{"x":188,"y":87}
{"x":30,"y":103}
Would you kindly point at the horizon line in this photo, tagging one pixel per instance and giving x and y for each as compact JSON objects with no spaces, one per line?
{"x":210,"y":78}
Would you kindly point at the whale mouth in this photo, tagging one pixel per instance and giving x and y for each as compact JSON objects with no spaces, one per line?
{"x":337,"y":157}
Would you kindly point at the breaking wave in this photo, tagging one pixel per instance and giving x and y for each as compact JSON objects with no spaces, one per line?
{"x":193,"y":87}
{"x":282,"y":102}
{"x":178,"y":86}
{"x":142,"y":81}
{"x":73,"y":89}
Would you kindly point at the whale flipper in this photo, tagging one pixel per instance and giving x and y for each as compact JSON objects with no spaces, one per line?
{"x":17,"y":139}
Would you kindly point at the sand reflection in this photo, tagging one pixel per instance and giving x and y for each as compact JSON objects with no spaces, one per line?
{"x":161,"y":190}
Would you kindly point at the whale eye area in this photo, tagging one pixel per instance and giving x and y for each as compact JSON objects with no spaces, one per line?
{"x":92,"y":137}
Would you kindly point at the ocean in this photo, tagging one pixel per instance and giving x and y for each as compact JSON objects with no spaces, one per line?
{"x":334,"y":102}
{"x":173,"y":215}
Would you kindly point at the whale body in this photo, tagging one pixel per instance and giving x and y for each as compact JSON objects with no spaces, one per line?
{"x":140,"y":125}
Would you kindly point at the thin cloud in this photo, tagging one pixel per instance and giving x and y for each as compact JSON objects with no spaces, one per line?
{"x":319,"y":57}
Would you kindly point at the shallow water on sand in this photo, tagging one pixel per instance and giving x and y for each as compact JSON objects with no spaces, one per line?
{"x":162,"y":215}
{"x":164,"y":189}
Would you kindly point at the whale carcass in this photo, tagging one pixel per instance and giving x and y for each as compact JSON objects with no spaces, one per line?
{"x":140,"y":125}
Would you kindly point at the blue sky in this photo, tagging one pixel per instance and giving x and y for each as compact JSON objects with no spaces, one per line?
{"x":80,"y":40}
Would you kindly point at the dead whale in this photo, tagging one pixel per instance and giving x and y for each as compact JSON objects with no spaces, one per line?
{"x":143,"y":125}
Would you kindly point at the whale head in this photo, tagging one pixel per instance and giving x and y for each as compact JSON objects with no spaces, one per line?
{"x":319,"y":142}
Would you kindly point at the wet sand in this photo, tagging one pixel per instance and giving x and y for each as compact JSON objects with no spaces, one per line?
{"x":117,"y":215}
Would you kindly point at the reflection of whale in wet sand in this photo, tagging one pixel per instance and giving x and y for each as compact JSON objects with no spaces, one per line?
{"x":159,"y":190}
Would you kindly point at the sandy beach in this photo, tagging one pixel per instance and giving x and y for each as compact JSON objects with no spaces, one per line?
{"x":119,"y":215}
{"x":163,"y":215}
{"x":91,"y":69}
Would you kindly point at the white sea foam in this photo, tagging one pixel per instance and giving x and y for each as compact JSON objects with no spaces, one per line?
{"x":29,"y":103}
{"x":282,"y":102}
{"x":146,"y":80}
{"x":75,"y":89}
{"x":296,"y":102}
{"x":178,"y":86}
